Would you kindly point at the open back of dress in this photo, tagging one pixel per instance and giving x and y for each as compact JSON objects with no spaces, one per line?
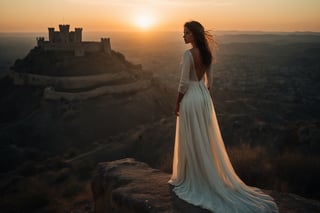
{"x":202,"y":172}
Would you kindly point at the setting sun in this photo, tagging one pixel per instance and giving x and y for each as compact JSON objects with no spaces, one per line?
{"x":144,"y":21}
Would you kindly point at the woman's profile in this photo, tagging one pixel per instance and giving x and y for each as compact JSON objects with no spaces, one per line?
{"x":202,"y":172}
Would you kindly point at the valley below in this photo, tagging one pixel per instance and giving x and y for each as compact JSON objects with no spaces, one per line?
{"x":266,"y":96}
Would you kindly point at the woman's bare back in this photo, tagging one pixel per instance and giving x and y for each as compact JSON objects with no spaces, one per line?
{"x":199,"y":67}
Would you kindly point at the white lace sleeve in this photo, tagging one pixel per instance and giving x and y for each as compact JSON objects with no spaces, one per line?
{"x":185,"y":73}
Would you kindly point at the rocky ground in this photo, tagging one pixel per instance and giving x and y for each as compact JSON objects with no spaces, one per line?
{"x":127,"y":186}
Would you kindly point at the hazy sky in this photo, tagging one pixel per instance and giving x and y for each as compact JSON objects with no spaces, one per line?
{"x":113,"y":15}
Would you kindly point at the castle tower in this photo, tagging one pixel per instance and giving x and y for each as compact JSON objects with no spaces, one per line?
{"x":40,"y":42}
{"x":51,"y":34}
{"x":64,"y":28}
{"x":106,"y":45}
{"x":77,"y":34}
{"x":64,"y":33}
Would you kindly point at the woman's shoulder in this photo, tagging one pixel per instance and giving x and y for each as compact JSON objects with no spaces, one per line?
{"x":187,"y":53}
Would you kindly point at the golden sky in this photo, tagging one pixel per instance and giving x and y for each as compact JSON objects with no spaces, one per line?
{"x":154,"y":15}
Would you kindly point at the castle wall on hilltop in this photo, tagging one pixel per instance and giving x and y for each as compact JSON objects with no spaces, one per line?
{"x":51,"y":94}
{"x":65,"y":40}
{"x":73,"y":82}
{"x":78,"y":82}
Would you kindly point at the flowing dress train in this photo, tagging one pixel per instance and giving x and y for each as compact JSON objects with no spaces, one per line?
{"x":202,"y":172}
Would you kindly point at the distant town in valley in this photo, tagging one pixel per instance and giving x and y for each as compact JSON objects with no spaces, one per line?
{"x":68,"y":104}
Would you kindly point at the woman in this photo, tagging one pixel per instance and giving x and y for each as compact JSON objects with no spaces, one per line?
{"x":202,"y":173}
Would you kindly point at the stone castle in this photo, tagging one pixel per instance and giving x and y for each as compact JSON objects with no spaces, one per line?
{"x":65,"y":40}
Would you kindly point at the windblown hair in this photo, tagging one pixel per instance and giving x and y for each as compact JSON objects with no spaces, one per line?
{"x":202,"y":39}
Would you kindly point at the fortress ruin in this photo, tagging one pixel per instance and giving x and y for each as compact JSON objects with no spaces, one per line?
{"x":65,"y":40}
{"x":99,"y":72}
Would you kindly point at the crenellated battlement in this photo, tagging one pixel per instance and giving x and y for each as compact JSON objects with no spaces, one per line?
{"x":64,"y":28}
{"x":40,"y":41}
{"x":64,"y":35}
{"x":66,"y":40}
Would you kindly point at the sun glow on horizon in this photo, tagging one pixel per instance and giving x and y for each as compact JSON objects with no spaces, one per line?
{"x":151,"y":15}
{"x":144,"y":21}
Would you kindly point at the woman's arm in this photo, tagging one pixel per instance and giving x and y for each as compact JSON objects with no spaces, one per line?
{"x":179,"y":98}
{"x":184,"y":79}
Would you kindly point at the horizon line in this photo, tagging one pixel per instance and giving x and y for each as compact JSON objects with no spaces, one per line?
{"x":152,"y":31}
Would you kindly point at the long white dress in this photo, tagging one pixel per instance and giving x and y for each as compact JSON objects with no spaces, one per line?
{"x":202,"y":173}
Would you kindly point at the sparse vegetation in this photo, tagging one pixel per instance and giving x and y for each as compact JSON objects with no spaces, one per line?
{"x":257,"y":166}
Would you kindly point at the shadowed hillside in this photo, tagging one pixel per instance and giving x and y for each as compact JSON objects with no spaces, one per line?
{"x":42,"y":140}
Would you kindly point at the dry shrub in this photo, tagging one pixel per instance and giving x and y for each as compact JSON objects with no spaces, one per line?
{"x":288,"y":172}
{"x":298,"y":173}
{"x":251,"y":164}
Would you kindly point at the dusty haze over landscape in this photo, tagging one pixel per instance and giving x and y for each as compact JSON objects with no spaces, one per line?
{"x":103,"y":89}
{"x":265,"y":94}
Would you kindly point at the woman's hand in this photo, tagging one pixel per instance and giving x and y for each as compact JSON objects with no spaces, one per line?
{"x":179,"y":98}
{"x":177,"y":109}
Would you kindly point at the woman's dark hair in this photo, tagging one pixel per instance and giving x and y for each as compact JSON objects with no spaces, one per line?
{"x":202,"y":39}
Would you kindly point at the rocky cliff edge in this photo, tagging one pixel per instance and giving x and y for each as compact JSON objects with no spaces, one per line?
{"x":130,"y":186}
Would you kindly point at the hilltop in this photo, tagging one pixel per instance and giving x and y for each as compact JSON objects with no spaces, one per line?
{"x":65,"y":63}
{"x":57,"y":106}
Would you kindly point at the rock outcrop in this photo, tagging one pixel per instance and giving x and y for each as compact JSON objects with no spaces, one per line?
{"x":130,"y":186}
